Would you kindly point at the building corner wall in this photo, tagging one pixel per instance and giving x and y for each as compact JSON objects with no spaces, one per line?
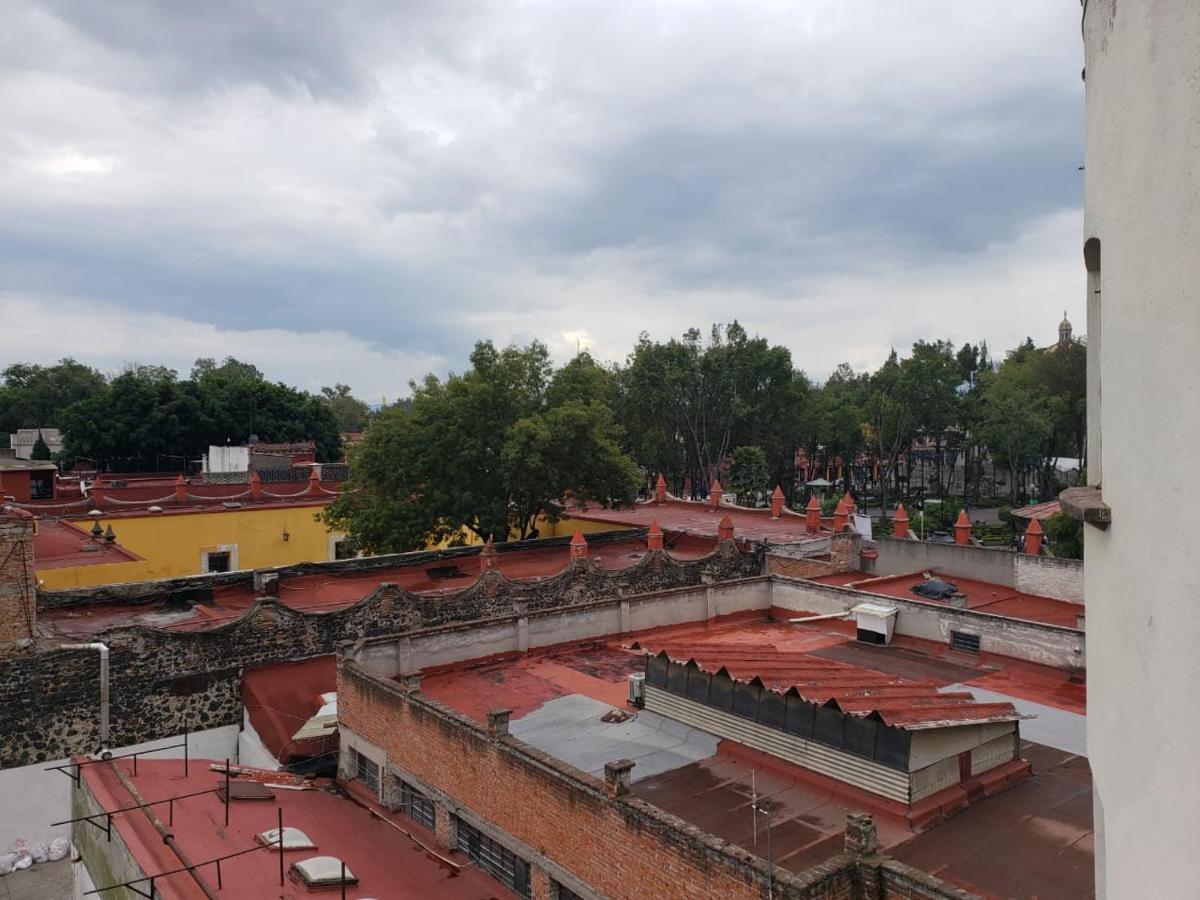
{"x":1142,"y":185}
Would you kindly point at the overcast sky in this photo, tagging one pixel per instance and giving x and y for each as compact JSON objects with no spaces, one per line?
{"x":358,"y":191}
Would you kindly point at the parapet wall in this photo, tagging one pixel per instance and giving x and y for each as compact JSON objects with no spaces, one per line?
{"x":897,"y":557}
{"x":164,"y":682}
{"x":1050,"y":645}
{"x":1049,"y":577}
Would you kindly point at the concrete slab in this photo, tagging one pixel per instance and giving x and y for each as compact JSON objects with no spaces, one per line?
{"x":45,"y":881}
{"x":1053,"y":727}
{"x":571,"y":729}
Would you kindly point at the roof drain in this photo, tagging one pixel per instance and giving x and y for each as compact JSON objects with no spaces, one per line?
{"x":103,"y":752}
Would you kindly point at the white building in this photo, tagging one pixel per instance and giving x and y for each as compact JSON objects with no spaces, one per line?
{"x":226,"y":459}
{"x":1142,"y":184}
{"x":23,"y":439}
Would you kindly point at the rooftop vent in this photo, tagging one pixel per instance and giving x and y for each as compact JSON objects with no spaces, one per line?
{"x":323,"y":871}
{"x":937,"y":589}
{"x":154,"y":509}
{"x":293,"y":839}
{"x":232,"y":504}
{"x":874,"y":622}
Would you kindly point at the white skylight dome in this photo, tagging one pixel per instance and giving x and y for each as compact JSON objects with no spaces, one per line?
{"x":318,"y":871}
{"x":293,"y":839}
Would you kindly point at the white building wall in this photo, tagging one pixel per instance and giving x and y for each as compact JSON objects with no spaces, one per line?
{"x":1142,"y":183}
{"x":34,"y":797}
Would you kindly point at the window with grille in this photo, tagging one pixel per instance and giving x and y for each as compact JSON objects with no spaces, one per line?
{"x":967,"y":643}
{"x":364,"y":769}
{"x":562,"y":892}
{"x":507,"y":868}
{"x":416,"y":805}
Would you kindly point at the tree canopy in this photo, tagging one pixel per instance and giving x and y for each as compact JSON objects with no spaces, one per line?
{"x":486,"y":453}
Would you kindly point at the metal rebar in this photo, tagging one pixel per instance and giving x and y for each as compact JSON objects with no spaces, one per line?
{"x":227,"y":791}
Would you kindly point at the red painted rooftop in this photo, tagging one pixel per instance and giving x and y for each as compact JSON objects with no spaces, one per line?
{"x":387,"y":862}
{"x":699,"y":518}
{"x":59,"y":544}
{"x":982,"y":596}
{"x":334,"y":590}
{"x":749,"y":645}
{"x":280,"y":698}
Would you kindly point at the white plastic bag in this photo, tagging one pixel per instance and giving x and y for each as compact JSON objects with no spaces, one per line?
{"x":39,"y":853}
{"x":59,"y":848}
{"x":8,"y":862}
{"x":21,"y":849}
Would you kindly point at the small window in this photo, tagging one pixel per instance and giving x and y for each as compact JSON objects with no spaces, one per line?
{"x":343,"y":549}
{"x":416,"y":805}
{"x":967,"y":643}
{"x":492,"y":856}
{"x":364,"y":769}
{"x":217,"y":561}
{"x":562,"y":892}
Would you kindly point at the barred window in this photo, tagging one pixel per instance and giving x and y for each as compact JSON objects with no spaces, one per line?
{"x":492,"y":856}
{"x":562,"y":892}
{"x":416,"y":805}
{"x":364,"y":769}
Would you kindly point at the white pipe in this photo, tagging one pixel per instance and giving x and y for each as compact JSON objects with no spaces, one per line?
{"x":824,"y":618}
{"x":103,"y":648}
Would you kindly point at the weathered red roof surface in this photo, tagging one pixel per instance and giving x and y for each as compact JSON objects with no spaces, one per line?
{"x":750,"y":645}
{"x":387,"y":862}
{"x":280,"y":698}
{"x":1039,"y":511}
{"x":982,"y":596}
{"x":332,"y":591}
{"x":699,"y":518}
{"x":59,"y":544}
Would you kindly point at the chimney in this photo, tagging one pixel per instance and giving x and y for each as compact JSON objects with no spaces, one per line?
{"x":256,"y":485}
{"x":18,"y":583}
{"x":314,"y":481}
{"x":618,"y":780}
{"x":180,"y":489}
{"x":714,"y":494}
{"x":1033,"y":538}
{"x":660,"y":489}
{"x":497,"y":722}
{"x":97,"y":492}
{"x":900,"y":523}
{"x":579,"y":546}
{"x":489,"y":559}
{"x":812,"y":515}
{"x":962,"y":529}
{"x":841,"y":515}
{"x":777,"y":502}
{"x":654,"y":538}
{"x":725,"y":528}
{"x":861,"y":836}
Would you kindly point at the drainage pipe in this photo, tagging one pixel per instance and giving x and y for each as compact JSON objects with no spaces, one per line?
{"x":824,"y":618}
{"x":103,"y":648}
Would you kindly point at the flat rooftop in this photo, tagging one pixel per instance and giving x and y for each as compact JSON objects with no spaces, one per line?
{"x":698,"y":518}
{"x":982,"y":596}
{"x":372,"y":842}
{"x":60,"y":544}
{"x":336,"y":589}
{"x":563,"y":700}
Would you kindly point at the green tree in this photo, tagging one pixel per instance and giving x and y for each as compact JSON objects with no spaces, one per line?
{"x":350,"y":413}
{"x":41,"y":450}
{"x":485,"y":452}
{"x":748,"y":472}
{"x":1014,"y":423}
{"x":1065,"y":535}
{"x":34,"y":396}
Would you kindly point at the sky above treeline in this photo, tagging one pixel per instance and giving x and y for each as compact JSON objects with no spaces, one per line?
{"x":357,"y":191}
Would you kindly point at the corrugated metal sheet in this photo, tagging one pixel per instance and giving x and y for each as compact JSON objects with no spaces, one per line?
{"x":861,"y":773}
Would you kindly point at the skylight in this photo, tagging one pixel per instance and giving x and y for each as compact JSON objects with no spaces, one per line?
{"x":320,"y":871}
{"x":293,"y":839}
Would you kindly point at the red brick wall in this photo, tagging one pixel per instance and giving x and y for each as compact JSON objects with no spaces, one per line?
{"x":18,"y":584}
{"x":798,"y":568}
{"x":617,"y":847}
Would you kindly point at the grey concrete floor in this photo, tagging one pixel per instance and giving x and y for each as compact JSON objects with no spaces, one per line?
{"x":45,"y":881}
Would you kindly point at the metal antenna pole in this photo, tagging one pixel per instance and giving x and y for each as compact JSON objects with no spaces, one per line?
{"x":770,"y":858}
{"x":280,"y":810}
{"x":227,"y":791}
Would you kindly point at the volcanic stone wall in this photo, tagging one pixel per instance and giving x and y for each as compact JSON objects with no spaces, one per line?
{"x":165,"y":682}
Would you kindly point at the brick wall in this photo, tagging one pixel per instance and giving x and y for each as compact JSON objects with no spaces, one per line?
{"x":798,"y":568}
{"x":18,"y":583}
{"x":1047,"y":576}
{"x":163,"y":682}
{"x":616,"y":845}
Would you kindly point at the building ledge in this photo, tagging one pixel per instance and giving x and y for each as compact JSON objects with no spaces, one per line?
{"x":1086,"y":504}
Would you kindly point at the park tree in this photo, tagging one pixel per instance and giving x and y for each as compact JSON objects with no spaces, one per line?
{"x":748,"y":472}
{"x":33,"y":396}
{"x":349,"y":413}
{"x":487,"y":454}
